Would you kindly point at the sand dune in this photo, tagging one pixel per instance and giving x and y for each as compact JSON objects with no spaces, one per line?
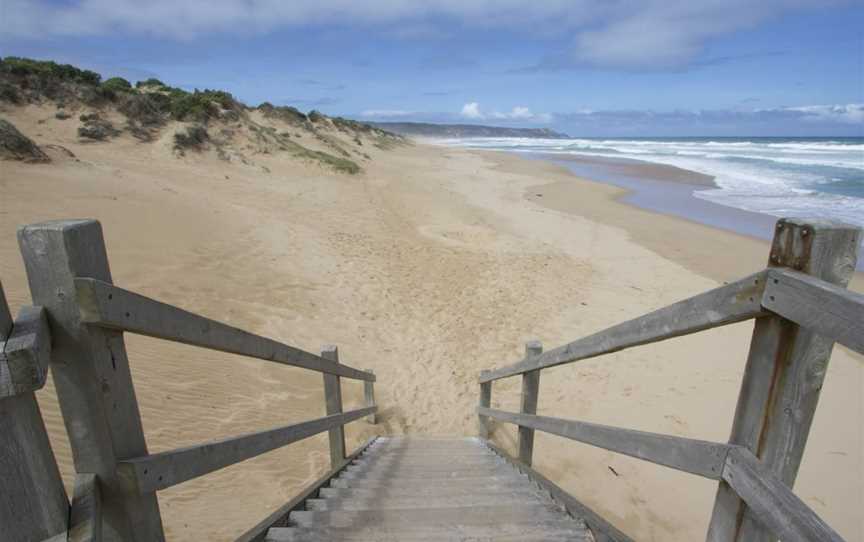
{"x":431,"y":265}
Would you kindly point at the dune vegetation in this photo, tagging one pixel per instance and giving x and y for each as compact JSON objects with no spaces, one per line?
{"x":197,"y":121}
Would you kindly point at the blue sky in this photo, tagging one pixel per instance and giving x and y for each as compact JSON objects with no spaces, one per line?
{"x":613,"y":67}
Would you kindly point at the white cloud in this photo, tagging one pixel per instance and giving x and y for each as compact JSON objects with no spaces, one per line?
{"x":844,"y":113}
{"x":472,"y":111}
{"x":630,"y":34}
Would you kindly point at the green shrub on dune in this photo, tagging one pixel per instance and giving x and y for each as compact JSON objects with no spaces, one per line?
{"x":316,"y":116}
{"x":200,"y":106}
{"x":45,"y":68}
{"x":150,"y":104}
{"x":151,"y":83}
{"x":117,"y":84}
{"x":286,"y":113}
{"x":149,"y":108}
{"x":193,"y":137}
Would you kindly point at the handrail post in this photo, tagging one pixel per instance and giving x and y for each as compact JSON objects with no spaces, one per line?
{"x":369,"y":396}
{"x":91,"y":372}
{"x":530,"y":391}
{"x":33,"y":501}
{"x":785,"y":370}
{"x":333,"y":399}
{"x":485,"y":402}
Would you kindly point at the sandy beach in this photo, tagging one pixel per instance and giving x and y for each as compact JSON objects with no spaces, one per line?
{"x":429,"y":266}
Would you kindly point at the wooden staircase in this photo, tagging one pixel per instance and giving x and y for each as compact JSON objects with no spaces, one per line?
{"x":413,"y":489}
{"x":406,"y":488}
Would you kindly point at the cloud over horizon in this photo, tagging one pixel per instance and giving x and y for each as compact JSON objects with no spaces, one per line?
{"x":803,"y":120}
{"x":472,"y":111}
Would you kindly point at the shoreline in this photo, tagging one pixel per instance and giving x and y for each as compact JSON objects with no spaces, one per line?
{"x":664,"y":191}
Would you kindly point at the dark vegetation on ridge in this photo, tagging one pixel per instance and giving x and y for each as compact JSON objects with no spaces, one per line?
{"x":216,"y":118}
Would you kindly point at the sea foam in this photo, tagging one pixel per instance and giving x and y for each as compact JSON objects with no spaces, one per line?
{"x":781,"y":177}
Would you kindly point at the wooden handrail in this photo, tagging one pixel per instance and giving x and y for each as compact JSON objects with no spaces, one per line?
{"x":159,"y":471}
{"x":773,"y":503}
{"x":81,"y":330}
{"x":770,"y":499}
{"x":689,"y":455}
{"x":740,"y":300}
{"x":827,"y":309}
{"x":801,"y":308}
{"x":105,"y":305}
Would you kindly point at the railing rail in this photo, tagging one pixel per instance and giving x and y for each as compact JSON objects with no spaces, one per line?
{"x":689,"y":455}
{"x":117,"y":479}
{"x":165,"y":469}
{"x":105,"y":305}
{"x":801,"y":308}
{"x":827,"y":309}
{"x":735,"y":302}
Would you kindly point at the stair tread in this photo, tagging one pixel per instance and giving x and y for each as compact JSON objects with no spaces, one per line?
{"x":420,"y":492}
{"x":416,"y":489}
{"x":503,"y":533}
{"x":522,"y":514}
{"x":401,"y":503}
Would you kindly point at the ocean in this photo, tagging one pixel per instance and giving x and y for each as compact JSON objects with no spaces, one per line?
{"x":805,"y":177}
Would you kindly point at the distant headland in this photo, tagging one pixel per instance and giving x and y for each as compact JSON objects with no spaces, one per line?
{"x":426,"y":129}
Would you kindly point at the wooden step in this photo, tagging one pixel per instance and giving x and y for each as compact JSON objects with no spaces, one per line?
{"x":377,"y":483}
{"x":405,"y":503}
{"x":528,"y":515}
{"x":526,"y":490}
{"x":552,"y":532}
{"x":412,"y":490}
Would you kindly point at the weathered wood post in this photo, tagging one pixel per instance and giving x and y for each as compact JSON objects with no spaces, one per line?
{"x":333,"y":400}
{"x":784,"y":372}
{"x":530,"y":390}
{"x":91,"y":373}
{"x":33,"y":501}
{"x":369,"y":396}
{"x":485,"y":402}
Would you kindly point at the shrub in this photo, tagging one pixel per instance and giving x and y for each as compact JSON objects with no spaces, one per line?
{"x":117,"y":84}
{"x":199,"y":105}
{"x":194,"y":137}
{"x":41,"y":68}
{"x":96,"y":128}
{"x":195,"y":107}
{"x":285,"y":113}
{"x":147,"y":109}
{"x":16,"y":146}
{"x":8,"y":93}
{"x":151,"y":82}
{"x":316,"y":116}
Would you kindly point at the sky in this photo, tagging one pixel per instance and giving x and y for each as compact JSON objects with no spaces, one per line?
{"x":585,"y":67}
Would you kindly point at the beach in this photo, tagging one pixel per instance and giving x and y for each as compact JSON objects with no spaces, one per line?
{"x":431,"y":265}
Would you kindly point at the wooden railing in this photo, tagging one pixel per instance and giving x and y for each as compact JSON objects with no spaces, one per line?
{"x":77,"y":327}
{"x":801,"y":308}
